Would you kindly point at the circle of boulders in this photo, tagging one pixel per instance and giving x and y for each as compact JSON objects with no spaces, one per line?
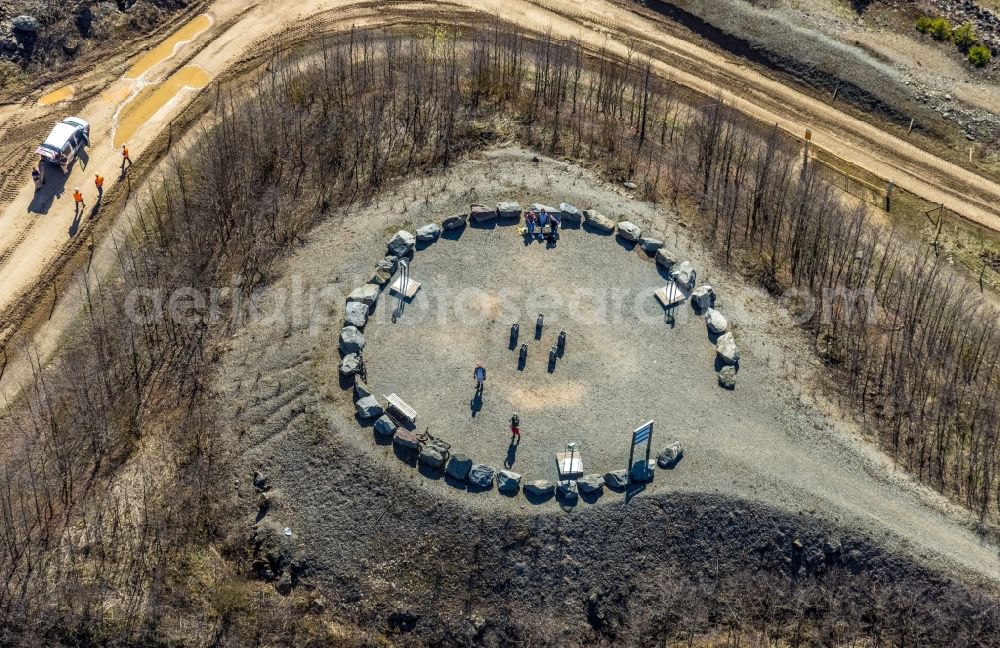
{"x":435,"y":453}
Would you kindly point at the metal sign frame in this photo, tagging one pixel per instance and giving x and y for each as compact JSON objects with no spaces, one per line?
{"x":643,"y":433}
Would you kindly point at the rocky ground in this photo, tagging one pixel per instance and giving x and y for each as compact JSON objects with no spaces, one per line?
{"x":772,"y":480}
{"x":40,"y":37}
{"x":869,"y":53}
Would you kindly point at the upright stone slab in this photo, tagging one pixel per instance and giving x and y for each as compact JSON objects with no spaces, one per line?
{"x":650,"y":244}
{"x":509,"y":209}
{"x":629,"y":231}
{"x":405,"y":439}
{"x":726,"y":349}
{"x":642,"y":471}
{"x":570,"y":214}
{"x":402,"y":243}
{"x":716,"y":322}
{"x":459,"y":467}
{"x":356,"y":314}
{"x":428,"y":233}
{"x":384,"y":426}
{"x":351,"y":340}
{"x":703,"y":298}
{"x":666,"y":258}
{"x":482,"y":213}
{"x":670,"y":455}
{"x":567,"y":490}
{"x":684,"y":275}
{"x":598,"y":221}
{"x":616,"y":479}
{"x":481,"y":476}
{"x":508,"y":481}
{"x":590,"y":483}
{"x":455,"y":222}
{"x":366,"y":294}
{"x":350,"y":364}
{"x":368,"y":408}
{"x":539,"y":488}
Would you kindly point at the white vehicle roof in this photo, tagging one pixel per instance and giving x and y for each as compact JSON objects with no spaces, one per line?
{"x":63,"y":131}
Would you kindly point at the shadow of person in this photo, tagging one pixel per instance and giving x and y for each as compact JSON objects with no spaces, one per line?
{"x":476,"y":404}
{"x":511,"y":454}
{"x":55,"y":185}
{"x":74,"y":227}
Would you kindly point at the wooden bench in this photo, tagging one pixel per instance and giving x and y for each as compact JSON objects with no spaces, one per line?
{"x":404,"y":411}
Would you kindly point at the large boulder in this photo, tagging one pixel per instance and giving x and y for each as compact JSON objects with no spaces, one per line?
{"x":716,"y":322}
{"x":684,"y":275}
{"x":650,"y":244}
{"x":356,"y":314}
{"x":384,"y":270}
{"x":590,"y":483}
{"x":406,"y":439}
{"x":509,"y":209}
{"x":570,"y":214}
{"x":366,"y":294}
{"x":351,"y":340}
{"x":670,"y":455}
{"x":25,"y":24}
{"x":455,"y":222}
{"x":642,"y":471}
{"x":402,"y":243}
{"x":431,"y":456}
{"x":368,"y":408}
{"x":598,"y":221}
{"x":537,"y":207}
{"x":566,"y":489}
{"x":482,"y":213}
{"x":616,"y":479}
{"x":459,"y":467}
{"x":727,"y":377}
{"x":508,"y":481}
{"x":360,"y":388}
{"x":350,"y":364}
{"x":726,"y":349}
{"x":429,"y":232}
{"x":702,"y":298}
{"x":629,"y":231}
{"x":384,"y":426}
{"x":666,"y":258}
{"x":539,"y":488}
{"x":481,"y":476}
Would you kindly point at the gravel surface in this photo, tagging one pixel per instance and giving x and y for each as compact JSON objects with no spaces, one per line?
{"x":774,"y":440}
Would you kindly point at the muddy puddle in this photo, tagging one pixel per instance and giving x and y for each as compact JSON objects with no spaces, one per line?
{"x":56,"y":96}
{"x":144,"y":106}
{"x":168,"y":48}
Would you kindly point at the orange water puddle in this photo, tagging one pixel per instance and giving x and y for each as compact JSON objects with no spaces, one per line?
{"x":150,"y":101}
{"x":54,"y":97}
{"x":117,"y":93}
{"x":190,"y":31}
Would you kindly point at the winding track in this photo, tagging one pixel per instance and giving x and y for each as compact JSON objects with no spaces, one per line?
{"x":35,"y":250}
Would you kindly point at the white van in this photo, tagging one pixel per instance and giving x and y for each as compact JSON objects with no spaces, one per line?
{"x":64,"y":143}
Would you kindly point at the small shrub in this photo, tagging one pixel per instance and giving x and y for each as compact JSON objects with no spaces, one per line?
{"x":965,"y":36}
{"x":938,"y":28}
{"x":980,"y":55}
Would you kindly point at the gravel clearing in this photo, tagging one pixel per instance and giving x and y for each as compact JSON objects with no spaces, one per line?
{"x":773,"y":440}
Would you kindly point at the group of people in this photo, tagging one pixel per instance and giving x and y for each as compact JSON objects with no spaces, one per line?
{"x":38,"y":177}
{"x":538,"y":221}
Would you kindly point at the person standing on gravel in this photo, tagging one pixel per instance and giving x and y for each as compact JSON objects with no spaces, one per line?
{"x":515,"y":430}
{"x":78,"y":200}
{"x":125,"y":158}
{"x":479,"y":375}
{"x":36,"y":176}
{"x":99,"y":183}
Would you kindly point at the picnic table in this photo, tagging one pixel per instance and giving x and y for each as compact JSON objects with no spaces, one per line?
{"x":404,"y":411}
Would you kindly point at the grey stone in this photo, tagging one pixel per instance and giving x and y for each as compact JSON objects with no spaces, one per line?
{"x":616,"y":478}
{"x":684,"y":275}
{"x":629,"y":185}
{"x":350,"y":364}
{"x":670,"y":455}
{"x":666,"y":258}
{"x":405,"y":439}
{"x":429,"y":232}
{"x":482,"y":213}
{"x":356,"y":314}
{"x":629,"y":231}
{"x":384,"y":270}
{"x":649,"y":244}
{"x":548,"y":210}
{"x":260,"y":481}
{"x":642,"y":471}
{"x":368,"y":407}
{"x":599,"y":221}
{"x":703,"y":298}
{"x":459,"y":467}
{"x":716,"y":322}
{"x":402,"y":243}
{"x":360,"y":388}
{"x":570,"y":213}
{"x":567,"y":489}
{"x":366,"y":294}
{"x":481,"y":475}
{"x":25,"y":24}
{"x":727,"y":377}
{"x":726,"y":349}
{"x":455,"y":222}
{"x":508,"y":481}
{"x":351,"y":340}
{"x":431,"y":456}
{"x":539,"y":488}
{"x":590,"y":483}
{"x":508,"y":210}
{"x":384,"y":426}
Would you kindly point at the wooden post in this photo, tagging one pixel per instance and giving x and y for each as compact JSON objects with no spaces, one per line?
{"x":937,"y":232}
{"x":836,"y":91}
{"x":910,"y":129}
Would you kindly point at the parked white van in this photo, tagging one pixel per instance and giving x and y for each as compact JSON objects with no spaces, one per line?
{"x":65,"y":142}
